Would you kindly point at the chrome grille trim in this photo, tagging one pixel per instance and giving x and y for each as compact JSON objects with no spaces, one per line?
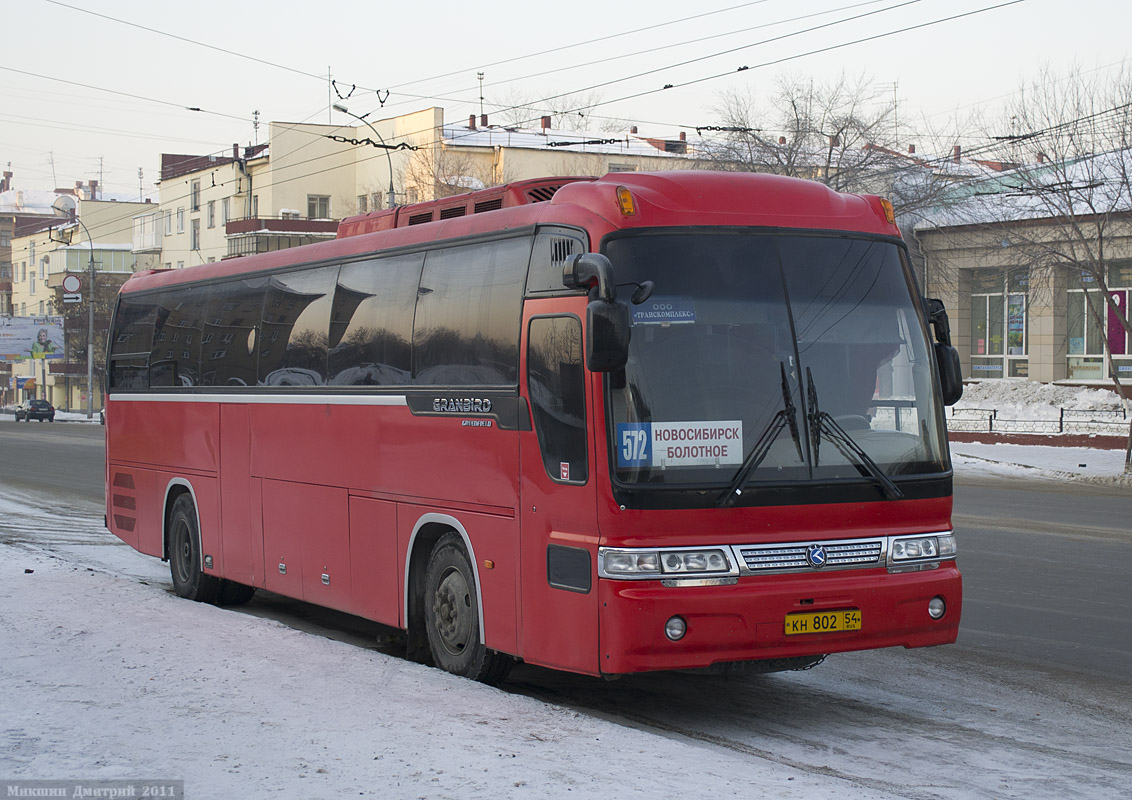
{"x":761,"y":559}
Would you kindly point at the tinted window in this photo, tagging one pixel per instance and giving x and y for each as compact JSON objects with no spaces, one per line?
{"x":468,"y":314}
{"x":296,"y":322}
{"x":130,"y":342}
{"x":557,"y":391}
{"x":175,"y":359}
{"x":133,"y":324}
{"x":371,"y":322}
{"x":552,"y":248}
{"x":228,"y":354}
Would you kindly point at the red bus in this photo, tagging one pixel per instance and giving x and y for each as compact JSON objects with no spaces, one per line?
{"x":657,"y":421}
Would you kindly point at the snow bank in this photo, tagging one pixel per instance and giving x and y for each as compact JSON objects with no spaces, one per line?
{"x":1032,"y":400}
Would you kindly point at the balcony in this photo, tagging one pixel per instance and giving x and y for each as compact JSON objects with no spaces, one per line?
{"x":266,"y":234}
{"x":147,"y":233}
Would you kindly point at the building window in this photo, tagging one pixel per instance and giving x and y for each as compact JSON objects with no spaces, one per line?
{"x":5,"y":238}
{"x":225,"y":209}
{"x":41,"y":307}
{"x":255,"y":206}
{"x":194,"y":235}
{"x":168,"y":223}
{"x":180,"y":265}
{"x":31,"y":284}
{"x":194,"y":195}
{"x":375,"y":199}
{"x":999,"y":323}
{"x":180,"y":220}
{"x":212,"y":213}
{"x":1084,"y":312}
{"x":318,"y":206}
{"x":363,"y":203}
{"x":31,"y":250}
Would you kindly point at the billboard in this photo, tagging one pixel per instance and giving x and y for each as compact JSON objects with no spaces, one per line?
{"x":22,"y":338}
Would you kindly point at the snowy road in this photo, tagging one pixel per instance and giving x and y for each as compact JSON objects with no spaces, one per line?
{"x":107,"y":675}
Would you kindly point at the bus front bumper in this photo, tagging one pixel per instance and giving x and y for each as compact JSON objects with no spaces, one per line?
{"x":747,"y":621}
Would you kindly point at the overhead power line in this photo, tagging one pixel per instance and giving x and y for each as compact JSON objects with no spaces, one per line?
{"x":187,"y":40}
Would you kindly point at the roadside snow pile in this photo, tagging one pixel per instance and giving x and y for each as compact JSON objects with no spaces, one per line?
{"x":1033,"y":400}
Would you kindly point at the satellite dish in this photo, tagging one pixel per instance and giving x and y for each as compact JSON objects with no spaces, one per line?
{"x":65,"y":206}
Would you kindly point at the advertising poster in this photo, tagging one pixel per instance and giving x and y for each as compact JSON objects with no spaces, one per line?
{"x":22,"y":338}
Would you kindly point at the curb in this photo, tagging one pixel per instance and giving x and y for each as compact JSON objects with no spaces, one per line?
{"x":1097,"y":442}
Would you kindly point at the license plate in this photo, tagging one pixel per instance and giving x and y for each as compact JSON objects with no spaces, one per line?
{"x":823,"y":622}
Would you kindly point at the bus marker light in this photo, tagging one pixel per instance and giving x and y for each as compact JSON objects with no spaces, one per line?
{"x":889,"y":212}
{"x":675,"y":628}
{"x":625,"y":201}
{"x":488,"y":564}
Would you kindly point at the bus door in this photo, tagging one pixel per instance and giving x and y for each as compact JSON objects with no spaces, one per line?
{"x":559,"y":517}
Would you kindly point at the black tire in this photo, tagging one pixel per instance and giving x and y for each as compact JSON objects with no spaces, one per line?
{"x":451,"y":613}
{"x":184,"y":554}
{"x":234,"y":594}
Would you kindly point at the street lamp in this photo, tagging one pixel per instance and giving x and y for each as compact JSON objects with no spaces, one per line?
{"x":344,"y":110}
{"x":65,"y":207}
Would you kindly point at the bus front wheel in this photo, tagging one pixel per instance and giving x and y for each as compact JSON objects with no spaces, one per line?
{"x":189,"y":581}
{"x":451,"y":611}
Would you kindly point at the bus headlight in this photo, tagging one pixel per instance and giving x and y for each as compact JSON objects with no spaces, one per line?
{"x":628,"y":564}
{"x":682,"y":562}
{"x":686,"y":561}
{"x":916,"y":548}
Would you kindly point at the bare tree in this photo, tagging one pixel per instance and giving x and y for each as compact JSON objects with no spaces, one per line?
{"x":1066,"y":207}
{"x":574,"y":111}
{"x":442,"y":171}
{"x":842,"y":133}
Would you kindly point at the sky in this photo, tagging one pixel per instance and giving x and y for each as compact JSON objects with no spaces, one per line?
{"x":98,"y":89}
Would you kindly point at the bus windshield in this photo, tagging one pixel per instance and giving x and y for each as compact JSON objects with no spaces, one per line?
{"x":763,"y":358}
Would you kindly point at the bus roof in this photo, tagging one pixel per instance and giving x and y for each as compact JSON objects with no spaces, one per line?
{"x":679,"y":198}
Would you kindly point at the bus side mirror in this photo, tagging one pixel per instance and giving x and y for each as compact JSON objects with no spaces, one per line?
{"x":607,"y":319}
{"x":607,"y":336}
{"x":950,"y":373}
{"x":946,"y":356}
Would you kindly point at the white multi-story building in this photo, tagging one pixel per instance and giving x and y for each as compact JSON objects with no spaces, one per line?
{"x":294,"y":189}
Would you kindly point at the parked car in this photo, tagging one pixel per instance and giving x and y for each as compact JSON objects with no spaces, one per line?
{"x":35,"y":409}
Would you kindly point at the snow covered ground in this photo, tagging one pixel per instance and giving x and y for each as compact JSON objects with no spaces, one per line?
{"x":107,"y":675}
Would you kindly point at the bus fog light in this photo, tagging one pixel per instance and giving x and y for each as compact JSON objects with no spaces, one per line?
{"x":675,"y":628}
{"x":937,"y":608}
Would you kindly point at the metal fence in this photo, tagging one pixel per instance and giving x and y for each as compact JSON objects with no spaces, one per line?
{"x":1112,"y":422}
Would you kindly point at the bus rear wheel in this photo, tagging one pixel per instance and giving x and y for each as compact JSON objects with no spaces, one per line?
{"x":189,"y":581}
{"x":451,"y":611}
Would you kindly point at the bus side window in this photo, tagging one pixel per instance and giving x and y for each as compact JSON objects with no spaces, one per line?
{"x":294,"y":330}
{"x":371,"y":321}
{"x":228,"y":354}
{"x":556,"y":379}
{"x":131,"y":341}
{"x":466,"y":329}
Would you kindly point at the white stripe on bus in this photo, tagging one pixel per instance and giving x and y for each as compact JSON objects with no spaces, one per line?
{"x":276,"y":399}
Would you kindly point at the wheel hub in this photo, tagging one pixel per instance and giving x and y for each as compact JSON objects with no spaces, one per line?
{"x":451,"y":607}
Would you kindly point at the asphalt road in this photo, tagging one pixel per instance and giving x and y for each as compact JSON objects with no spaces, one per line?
{"x":67,"y":457}
{"x":1046,"y":572}
{"x":1045,"y":563}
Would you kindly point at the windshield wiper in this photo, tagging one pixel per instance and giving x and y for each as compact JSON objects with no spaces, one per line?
{"x":785,"y":418}
{"x":822,"y":423}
